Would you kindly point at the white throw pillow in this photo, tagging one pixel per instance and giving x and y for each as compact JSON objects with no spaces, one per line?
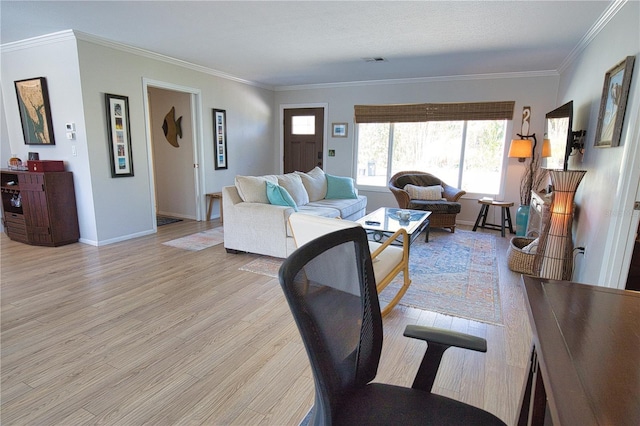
{"x":429,"y":193}
{"x":293,"y":184}
{"x":253,"y":189}
{"x":531,"y":248}
{"x":315,"y":183}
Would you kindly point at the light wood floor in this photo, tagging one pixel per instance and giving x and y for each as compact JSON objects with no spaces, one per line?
{"x":138,"y":332}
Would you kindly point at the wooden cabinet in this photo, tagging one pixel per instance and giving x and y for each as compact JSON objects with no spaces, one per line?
{"x":39,"y":207}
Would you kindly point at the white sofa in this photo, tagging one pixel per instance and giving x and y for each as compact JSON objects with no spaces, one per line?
{"x":252,"y":224}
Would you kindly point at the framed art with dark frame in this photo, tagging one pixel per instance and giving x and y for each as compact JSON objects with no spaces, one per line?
{"x":614,"y":103}
{"x":119,"y":135}
{"x":220,"y":138}
{"x":339,"y":130}
{"x":35,"y":112}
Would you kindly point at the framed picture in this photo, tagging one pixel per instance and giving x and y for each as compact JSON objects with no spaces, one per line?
{"x":614,"y":103}
{"x":339,"y":130}
{"x":220,"y":138}
{"x":35,"y":112}
{"x":119,"y":135}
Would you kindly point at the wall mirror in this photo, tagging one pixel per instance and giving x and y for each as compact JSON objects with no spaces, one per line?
{"x":558,"y":130}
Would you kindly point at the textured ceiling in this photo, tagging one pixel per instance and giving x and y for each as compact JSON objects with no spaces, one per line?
{"x":308,"y":42}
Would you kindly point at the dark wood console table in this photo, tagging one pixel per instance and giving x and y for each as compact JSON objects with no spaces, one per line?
{"x":585,"y":367}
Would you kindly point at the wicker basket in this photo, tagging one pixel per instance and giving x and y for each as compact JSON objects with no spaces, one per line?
{"x":518,"y":260}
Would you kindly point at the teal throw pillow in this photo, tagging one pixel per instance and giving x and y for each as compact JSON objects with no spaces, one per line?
{"x":340,"y":188}
{"x":279,"y":196}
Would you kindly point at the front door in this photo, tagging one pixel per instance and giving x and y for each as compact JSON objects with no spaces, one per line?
{"x":303,"y":139}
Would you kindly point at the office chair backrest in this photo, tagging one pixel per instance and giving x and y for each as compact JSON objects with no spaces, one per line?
{"x":340,"y":324}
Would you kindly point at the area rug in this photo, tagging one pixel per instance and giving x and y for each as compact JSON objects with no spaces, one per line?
{"x":198,"y":241}
{"x":263,"y":265}
{"x":453,"y":274}
{"x":165,"y":220}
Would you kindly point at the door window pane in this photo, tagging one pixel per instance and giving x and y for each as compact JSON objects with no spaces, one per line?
{"x":303,"y":125}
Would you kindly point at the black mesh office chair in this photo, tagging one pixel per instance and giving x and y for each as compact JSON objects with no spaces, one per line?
{"x":331,"y":290}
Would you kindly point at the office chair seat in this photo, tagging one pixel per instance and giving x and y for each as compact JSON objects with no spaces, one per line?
{"x":382,"y":404}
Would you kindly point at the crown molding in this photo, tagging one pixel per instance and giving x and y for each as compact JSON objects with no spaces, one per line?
{"x":153,"y":55}
{"x":79,"y":35}
{"x":28,"y":43}
{"x":598,"y":26}
{"x":525,"y":74}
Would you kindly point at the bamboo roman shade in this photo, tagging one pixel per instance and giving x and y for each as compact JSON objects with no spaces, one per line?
{"x":405,"y":113}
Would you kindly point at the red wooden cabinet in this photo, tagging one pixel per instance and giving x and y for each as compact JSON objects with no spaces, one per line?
{"x":39,"y":207}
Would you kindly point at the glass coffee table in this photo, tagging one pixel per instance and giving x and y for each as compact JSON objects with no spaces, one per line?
{"x":384,"y":222}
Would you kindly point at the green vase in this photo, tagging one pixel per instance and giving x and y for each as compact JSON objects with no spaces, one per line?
{"x":522,"y":219}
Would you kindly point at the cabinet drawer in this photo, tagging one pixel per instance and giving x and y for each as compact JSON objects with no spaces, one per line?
{"x":14,"y":219}
{"x":16,"y":227}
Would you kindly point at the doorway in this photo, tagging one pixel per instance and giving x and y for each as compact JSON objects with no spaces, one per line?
{"x":303,"y":139}
{"x":174,"y":162}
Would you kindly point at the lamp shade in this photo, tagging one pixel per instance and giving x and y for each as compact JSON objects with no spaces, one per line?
{"x":546,"y":148}
{"x":521,"y":149}
{"x":556,"y":239}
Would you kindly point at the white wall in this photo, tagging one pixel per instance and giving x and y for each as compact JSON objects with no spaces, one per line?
{"x":538,"y":92}
{"x":173,"y":166}
{"x":597,"y":195}
{"x":79,"y":73}
{"x":55,"y":58}
{"x":105,"y":69}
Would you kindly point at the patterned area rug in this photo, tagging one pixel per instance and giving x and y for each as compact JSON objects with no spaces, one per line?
{"x":453,"y":274}
{"x":264,"y":265}
{"x":198,"y":241}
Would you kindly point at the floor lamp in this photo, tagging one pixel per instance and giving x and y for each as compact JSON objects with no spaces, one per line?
{"x":557,"y":260}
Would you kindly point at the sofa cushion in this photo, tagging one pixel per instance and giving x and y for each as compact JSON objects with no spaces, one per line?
{"x":340,"y":187}
{"x":431,"y":193}
{"x":345,"y":207}
{"x":279,"y":196}
{"x":319,"y":210}
{"x":315,"y":182}
{"x":253,"y":189}
{"x":293,"y":184}
{"x":448,"y":207}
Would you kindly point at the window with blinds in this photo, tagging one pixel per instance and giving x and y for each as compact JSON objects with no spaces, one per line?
{"x":461,"y":143}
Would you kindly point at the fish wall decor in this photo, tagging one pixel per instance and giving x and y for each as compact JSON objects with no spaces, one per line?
{"x":172,"y":128}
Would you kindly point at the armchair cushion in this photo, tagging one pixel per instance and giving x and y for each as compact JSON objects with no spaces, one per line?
{"x":430,"y":193}
{"x":435,"y":207}
{"x":388,"y":260}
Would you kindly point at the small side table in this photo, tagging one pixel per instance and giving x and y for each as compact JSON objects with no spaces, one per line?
{"x":505,"y":216}
{"x":210,"y":197}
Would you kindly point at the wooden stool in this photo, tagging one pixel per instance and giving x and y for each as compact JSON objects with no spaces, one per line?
{"x":214,"y":196}
{"x":505,"y":216}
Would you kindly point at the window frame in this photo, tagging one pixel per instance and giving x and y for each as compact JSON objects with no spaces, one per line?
{"x":468,"y":195}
